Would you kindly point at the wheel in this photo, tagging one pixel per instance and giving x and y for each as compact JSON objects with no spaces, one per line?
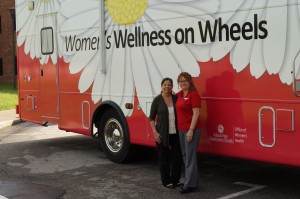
{"x":114,"y":137}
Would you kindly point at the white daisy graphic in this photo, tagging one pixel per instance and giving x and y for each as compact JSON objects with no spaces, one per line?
{"x":139,"y":67}
{"x":134,"y":69}
{"x":276,"y":53}
{"x":30,"y":23}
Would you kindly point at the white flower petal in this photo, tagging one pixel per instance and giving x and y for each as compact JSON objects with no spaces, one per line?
{"x":176,"y":1}
{"x":25,"y":28}
{"x":88,"y":74}
{"x":20,"y":40}
{"x":208,"y":6}
{"x":32,"y":49}
{"x":297,"y":67}
{"x":141,"y":78}
{"x":29,"y":24}
{"x":101,"y":85}
{"x":109,"y":75}
{"x":241,"y":53}
{"x":292,"y":45}
{"x":230,"y":7}
{"x":39,"y":8}
{"x":44,"y":59}
{"x":257,"y":63}
{"x":80,"y":23}
{"x":117,"y":82}
{"x":128,"y":95}
{"x":109,"y":51}
{"x":165,"y":64}
{"x":153,"y":71}
{"x":27,"y":45}
{"x":20,"y":3}
{"x":22,"y":14}
{"x":221,"y":49}
{"x":197,"y":9}
{"x":54,"y":57}
{"x":277,"y":28}
{"x":185,"y":59}
{"x":298,"y":3}
{"x":106,"y":86}
{"x":187,"y":24}
{"x":200,"y":52}
{"x":81,"y":58}
{"x":81,"y":7}
{"x":98,"y":86}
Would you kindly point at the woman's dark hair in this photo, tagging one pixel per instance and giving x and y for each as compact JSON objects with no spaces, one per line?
{"x":188,"y":77}
{"x":166,"y":79}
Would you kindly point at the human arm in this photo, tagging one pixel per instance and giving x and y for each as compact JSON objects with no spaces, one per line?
{"x":196,"y":113}
{"x":152,"y":117}
{"x":157,"y":136}
{"x":196,"y":104}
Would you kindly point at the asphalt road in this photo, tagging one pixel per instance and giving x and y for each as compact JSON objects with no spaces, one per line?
{"x":43,"y":162}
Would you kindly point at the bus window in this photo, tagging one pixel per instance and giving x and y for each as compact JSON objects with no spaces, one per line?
{"x":47,"y":44}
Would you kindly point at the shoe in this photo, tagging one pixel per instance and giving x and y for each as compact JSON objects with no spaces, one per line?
{"x":170,"y":186}
{"x":179,"y":184}
{"x":185,"y":190}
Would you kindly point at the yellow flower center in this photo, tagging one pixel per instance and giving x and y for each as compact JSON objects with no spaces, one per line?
{"x":126,"y":11}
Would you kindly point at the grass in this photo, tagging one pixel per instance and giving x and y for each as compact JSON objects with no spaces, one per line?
{"x":8,"y":96}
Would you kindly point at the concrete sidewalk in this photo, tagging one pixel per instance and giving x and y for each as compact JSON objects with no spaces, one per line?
{"x":8,"y":118}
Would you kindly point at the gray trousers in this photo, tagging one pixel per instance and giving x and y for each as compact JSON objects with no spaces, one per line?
{"x":189,"y":155}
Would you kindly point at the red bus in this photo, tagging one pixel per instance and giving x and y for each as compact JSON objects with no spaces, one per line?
{"x":94,"y":67}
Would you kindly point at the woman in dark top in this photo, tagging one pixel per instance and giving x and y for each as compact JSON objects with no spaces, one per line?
{"x":166,"y":134}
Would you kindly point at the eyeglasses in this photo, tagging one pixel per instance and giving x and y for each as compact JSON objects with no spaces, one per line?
{"x":183,"y":81}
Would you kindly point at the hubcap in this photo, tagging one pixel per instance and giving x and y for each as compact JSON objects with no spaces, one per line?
{"x":113,"y":134}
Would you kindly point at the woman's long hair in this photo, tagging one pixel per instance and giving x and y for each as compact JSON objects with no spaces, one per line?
{"x":188,"y":77}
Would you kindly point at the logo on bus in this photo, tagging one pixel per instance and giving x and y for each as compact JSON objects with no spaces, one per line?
{"x":220,"y":128}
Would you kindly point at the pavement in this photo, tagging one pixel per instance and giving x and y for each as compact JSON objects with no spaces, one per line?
{"x":8,"y":118}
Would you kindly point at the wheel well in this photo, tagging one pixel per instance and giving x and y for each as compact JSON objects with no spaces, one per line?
{"x":100,"y":110}
{"x":106,"y":111}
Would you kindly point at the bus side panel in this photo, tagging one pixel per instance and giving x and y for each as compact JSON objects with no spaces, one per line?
{"x":30,"y":106}
{"x":72,"y":113}
{"x":240,"y":138}
{"x":247,"y":117}
{"x":139,"y":127}
{"x":28,"y":81}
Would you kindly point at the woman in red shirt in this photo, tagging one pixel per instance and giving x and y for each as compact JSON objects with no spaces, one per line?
{"x":189,"y":125}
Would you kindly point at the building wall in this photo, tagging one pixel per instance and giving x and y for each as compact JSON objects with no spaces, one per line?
{"x":6,"y":41}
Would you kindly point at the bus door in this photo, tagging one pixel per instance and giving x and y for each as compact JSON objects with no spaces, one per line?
{"x":48,"y":66}
{"x":266,"y":129}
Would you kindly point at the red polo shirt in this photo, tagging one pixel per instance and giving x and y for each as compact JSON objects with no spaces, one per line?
{"x":184,"y":109}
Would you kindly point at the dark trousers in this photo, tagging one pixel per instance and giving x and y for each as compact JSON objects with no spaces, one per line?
{"x":170,"y":157}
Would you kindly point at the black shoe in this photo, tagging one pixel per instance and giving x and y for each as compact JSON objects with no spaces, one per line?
{"x":187,"y":190}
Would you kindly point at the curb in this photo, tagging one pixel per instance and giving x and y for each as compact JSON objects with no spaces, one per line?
{"x":9,"y":123}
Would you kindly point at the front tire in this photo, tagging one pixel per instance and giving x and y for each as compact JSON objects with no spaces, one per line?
{"x":114,"y":136}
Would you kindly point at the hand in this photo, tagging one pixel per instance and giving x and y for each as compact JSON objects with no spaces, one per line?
{"x":189,"y":135}
{"x":157,"y":137}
